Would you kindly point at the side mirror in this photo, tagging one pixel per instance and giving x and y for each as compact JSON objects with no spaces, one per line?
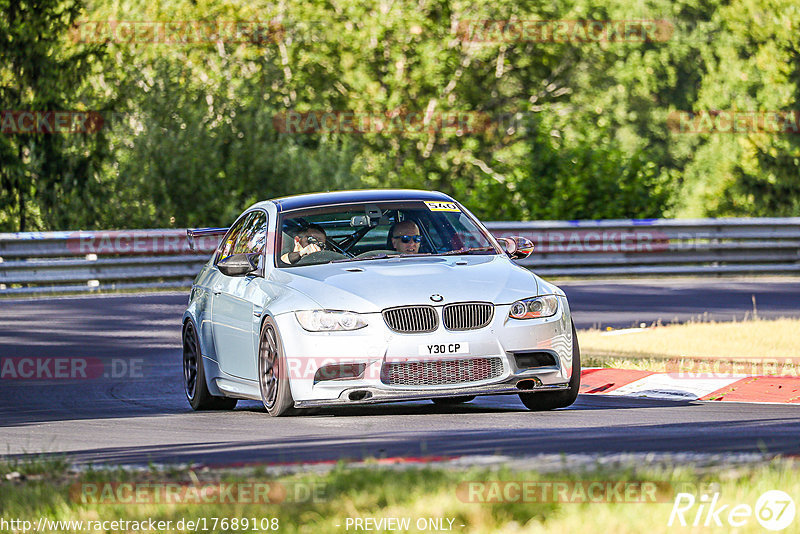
{"x":516,"y":247}
{"x":238,"y":264}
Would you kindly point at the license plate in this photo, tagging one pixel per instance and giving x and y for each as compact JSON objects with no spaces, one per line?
{"x":433,"y":349}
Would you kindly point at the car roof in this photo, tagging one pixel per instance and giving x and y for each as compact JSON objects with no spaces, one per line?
{"x":354,"y":196}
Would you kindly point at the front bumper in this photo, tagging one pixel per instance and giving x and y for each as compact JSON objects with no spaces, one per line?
{"x":377,"y":345}
{"x":373,"y":395}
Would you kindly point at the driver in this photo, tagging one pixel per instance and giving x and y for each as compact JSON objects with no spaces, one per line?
{"x":405,"y":237}
{"x":309,"y":240}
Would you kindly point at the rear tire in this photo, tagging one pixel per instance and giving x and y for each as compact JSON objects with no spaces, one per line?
{"x":449,"y":401}
{"x":558,"y":399}
{"x":194,"y":375}
{"x":273,"y":377}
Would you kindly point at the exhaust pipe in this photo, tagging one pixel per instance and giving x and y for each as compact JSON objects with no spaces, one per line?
{"x":528,"y":384}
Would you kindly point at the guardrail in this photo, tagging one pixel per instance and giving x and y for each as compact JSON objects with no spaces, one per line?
{"x":660,"y":246}
{"x":53,"y":262}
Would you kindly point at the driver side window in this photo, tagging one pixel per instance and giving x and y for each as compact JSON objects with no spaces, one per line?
{"x":225,"y":248}
{"x":253,"y":236}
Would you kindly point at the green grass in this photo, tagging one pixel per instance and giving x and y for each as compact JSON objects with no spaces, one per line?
{"x":35,"y":465}
{"x":379,"y":492}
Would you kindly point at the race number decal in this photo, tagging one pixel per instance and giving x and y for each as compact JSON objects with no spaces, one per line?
{"x":442,"y":206}
{"x":432,"y":349}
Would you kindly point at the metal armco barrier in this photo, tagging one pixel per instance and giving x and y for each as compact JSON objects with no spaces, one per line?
{"x":660,"y":246}
{"x":48,"y":262}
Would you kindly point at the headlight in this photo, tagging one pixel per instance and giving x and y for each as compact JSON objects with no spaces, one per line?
{"x":535,"y":307}
{"x":329,"y":321}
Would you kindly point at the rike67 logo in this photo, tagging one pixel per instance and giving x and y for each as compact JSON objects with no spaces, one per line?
{"x":774,"y":510}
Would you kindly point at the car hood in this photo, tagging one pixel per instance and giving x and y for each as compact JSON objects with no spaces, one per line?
{"x":373,"y":285}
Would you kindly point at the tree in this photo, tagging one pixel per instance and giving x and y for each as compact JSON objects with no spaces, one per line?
{"x":48,"y":179}
{"x":754,"y":69}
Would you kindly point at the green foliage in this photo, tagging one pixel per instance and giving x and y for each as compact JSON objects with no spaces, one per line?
{"x":201,"y":152}
{"x":753,"y":66}
{"x":50,"y":178}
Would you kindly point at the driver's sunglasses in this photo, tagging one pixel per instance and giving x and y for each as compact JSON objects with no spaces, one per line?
{"x":408,"y":238}
{"x":313,"y":240}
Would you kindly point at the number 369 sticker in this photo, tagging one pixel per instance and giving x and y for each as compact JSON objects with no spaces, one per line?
{"x":443,"y":348}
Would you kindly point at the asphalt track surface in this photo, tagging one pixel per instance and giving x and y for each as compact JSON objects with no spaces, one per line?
{"x":143,"y":417}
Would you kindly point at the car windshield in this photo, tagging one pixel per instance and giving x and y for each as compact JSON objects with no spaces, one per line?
{"x":357,"y":232}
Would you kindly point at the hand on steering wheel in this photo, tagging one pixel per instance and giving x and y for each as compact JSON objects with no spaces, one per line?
{"x":309,"y":249}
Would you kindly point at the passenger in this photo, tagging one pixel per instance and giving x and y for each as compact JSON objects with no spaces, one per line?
{"x":405,"y":237}
{"x":310,"y":240}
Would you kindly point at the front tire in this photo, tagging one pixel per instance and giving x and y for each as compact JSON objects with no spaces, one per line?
{"x":558,"y":399}
{"x":194,"y":375}
{"x":273,"y":376}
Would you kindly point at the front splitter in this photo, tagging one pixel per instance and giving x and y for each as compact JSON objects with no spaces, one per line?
{"x":373,"y":395}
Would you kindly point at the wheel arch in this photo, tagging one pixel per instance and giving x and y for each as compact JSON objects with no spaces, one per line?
{"x":211,"y":367}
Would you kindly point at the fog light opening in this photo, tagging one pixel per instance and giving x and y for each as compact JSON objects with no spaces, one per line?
{"x":340,"y":371}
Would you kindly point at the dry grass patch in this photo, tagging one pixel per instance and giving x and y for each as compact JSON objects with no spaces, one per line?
{"x":755,"y":339}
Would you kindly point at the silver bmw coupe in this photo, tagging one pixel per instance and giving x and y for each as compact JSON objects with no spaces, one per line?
{"x":371,"y":296}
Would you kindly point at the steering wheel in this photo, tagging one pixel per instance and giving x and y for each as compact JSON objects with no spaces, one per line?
{"x":323,"y":256}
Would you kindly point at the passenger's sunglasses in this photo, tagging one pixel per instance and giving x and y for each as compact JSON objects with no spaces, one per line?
{"x":408,"y":238}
